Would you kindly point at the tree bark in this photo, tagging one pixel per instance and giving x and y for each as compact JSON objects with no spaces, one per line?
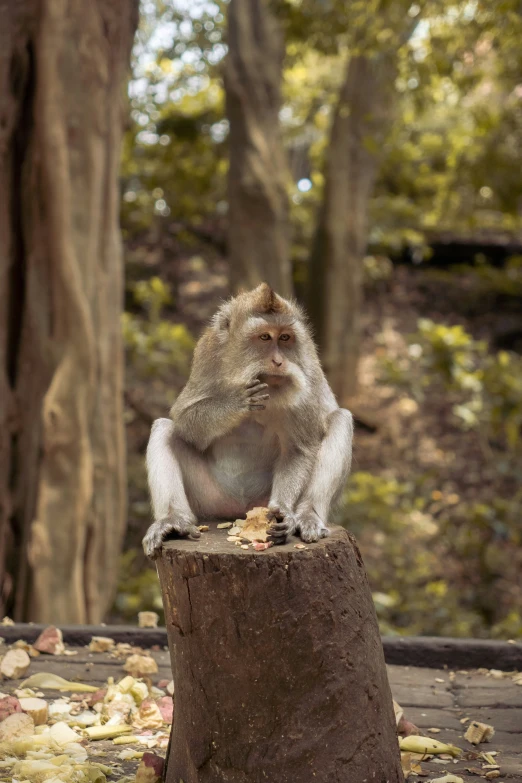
{"x":62,"y":464}
{"x":278,"y":666}
{"x":334,"y":298}
{"x":258,"y":213}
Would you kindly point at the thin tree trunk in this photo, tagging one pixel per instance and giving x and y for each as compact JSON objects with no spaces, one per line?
{"x":335,"y":284}
{"x":62,"y":464}
{"x":258,"y":237}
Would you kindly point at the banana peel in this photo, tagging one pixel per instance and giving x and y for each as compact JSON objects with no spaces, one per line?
{"x":427,"y":746}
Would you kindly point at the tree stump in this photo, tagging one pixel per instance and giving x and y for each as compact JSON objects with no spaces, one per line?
{"x":278,"y":667}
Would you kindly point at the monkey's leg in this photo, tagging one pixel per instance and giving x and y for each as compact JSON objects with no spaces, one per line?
{"x":332,"y":465}
{"x":171,"y":508}
{"x":182,"y":488}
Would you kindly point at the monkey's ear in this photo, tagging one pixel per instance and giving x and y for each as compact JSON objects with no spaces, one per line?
{"x":221,"y":320}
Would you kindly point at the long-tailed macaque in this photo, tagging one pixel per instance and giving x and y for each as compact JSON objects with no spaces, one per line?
{"x":256,"y":425}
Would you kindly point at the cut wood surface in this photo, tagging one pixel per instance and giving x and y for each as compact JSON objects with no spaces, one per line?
{"x":278,"y":664}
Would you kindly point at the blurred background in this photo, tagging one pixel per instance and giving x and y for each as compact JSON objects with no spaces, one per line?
{"x":361,"y":155}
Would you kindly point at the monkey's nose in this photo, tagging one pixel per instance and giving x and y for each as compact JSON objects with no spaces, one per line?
{"x":277,"y":364}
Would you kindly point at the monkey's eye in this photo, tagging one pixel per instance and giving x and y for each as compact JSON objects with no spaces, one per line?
{"x":265,"y":336}
{"x":284,"y":337}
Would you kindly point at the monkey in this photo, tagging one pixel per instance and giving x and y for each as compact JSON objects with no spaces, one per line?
{"x":257,"y":424}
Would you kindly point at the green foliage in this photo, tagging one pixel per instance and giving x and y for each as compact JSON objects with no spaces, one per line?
{"x":138,"y":588}
{"x":173,"y":159}
{"x":487,"y":387}
{"x":376,"y":270}
{"x":416,"y":540}
{"x":484,"y":281}
{"x":451,"y":162}
{"x":155,"y":347}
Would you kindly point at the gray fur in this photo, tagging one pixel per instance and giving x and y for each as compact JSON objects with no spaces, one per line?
{"x":233,"y":442}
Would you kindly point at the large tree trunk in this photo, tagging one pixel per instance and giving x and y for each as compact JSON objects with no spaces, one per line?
{"x":258,"y":237}
{"x":62,"y":464}
{"x":335,"y":283}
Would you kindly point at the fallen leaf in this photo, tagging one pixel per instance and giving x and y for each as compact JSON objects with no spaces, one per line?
{"x":55,"y":682}
{"x":410,"y":765}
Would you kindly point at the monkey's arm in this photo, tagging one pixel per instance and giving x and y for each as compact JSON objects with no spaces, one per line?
{"x":203,"y":415}
{"x":292,"y":473}
{"x":306,"y":484}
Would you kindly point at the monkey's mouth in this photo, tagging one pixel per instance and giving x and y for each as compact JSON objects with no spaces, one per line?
{"x":275,"y":381}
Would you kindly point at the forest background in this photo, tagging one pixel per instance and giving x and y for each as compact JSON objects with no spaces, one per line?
{"x":364,"y":156}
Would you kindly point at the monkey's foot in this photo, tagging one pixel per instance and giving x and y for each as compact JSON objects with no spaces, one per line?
{"x":311,"y":527}
{"x":159,"y":530}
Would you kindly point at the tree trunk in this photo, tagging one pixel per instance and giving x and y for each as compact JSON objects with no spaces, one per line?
{"x":258,"y":215}
{"x":335,"y":283}
{"x":278,"y":665}
{"x":62,"y":464}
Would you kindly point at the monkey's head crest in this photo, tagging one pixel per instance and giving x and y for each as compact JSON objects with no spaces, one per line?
{"x":265,"y":300}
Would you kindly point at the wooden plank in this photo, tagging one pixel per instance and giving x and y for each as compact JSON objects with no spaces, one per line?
{"x":419,"y":651}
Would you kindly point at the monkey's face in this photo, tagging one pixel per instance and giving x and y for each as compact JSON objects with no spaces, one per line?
{"x":272,"y":344}
{"x":261,"y":335}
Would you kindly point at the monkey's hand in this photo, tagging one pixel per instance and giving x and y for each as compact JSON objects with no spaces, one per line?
{"x":287,"y":523}
{"x":284,"y":524}
{"x":159,"y":530}
{"x":254,"y":396}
